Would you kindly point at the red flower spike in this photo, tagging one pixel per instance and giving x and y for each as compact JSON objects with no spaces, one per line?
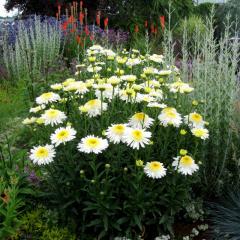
{"x":146,"y":24}
{"x":162,"y":22}
{"x":78,"y":38}
{"x":152,"y":28}
{"x":86,"y":30}
{"x":91,"y":37}
{"x":98,"y":18}
{"x":81,"y":18}
{"x":106,"y":22}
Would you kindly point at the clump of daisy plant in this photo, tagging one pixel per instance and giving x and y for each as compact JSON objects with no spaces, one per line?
{"x":91,"y":130}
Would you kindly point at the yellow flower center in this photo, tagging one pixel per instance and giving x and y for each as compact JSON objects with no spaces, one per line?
{"x":52,"y":113}
{"x":63,"y":134}
{"x":139,"y":116}
{"x":46,"y":96}
{"x":42,"y":152}
{"x":155,"y":166}
{"x":119,"y":129}
{"x":171,"y":114}
{"x":93,"y":103}
{"x":92,"y":142}
{"x":137,"y":135}
{"x":186,"y":161}
{"x":196,"y":117}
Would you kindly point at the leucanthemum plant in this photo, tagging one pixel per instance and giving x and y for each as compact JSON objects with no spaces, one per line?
{"x":110,"y":138}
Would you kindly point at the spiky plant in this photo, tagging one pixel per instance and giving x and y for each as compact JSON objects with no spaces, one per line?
{"x":225,"y":217}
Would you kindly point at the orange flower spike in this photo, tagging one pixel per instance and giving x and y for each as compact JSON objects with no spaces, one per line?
{"x":81,"y":18}
{"x":78,"y":38}
{"x":162,"y":22}
{"x":136,"y":29}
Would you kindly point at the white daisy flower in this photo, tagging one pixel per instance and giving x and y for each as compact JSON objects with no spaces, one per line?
{"x":104,"y":90}
{"x":200,"y":133}
{"x":180,"y":87}
{"x":127,"y":95}
{"x":133,"y":61}
{"x":140,"y":120}
{"x":93,"y":107}
{"x":156,"y":58}
{"x":37,"y":109}
{"x":156,"y":105}
{"x":116,"y":132}
{"x":164,"y":72}
{"x":129,"y":78}
{"x":53,"y":117}
{"x":170,"y":116}
{"x":194,"y":120}
{"x":150,"y":70}
{"x":185,"y":165}
{"x":155,"y":170}
{"x":42,"y":154}
{"x":136,"y":137}
{"x":48,"y":97}
{"x":27,"y":121}
{"x":92,"y":144}
{"x":94,"y":69}
{"x":56,"y":86}
{"x":63,"y":135}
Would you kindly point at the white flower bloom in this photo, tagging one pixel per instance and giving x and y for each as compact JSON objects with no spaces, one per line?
{"x":116,"y":132}
{"x":156,"y":58}
{"x":48,"y":97}
{"x":93,"y":107}
{"x":53,"y":117}
{"x":94,"y":69}
{"x":92,"y":144}
{"x":164,"y":72}
{"x":42,"y":154}
{"x":156,"y":105}
{"x":129,"y":78}
{"x":155,"y":170}
{"x":140,"y":120}
{"x":136,"y":137}
{"x":170,"y":116}
{"x":180,"y":87}
{"x":133,"y":61}
{"x":194,"y":120}
{"x":56,"y":86}
{"x":37,"y":109}
{"x":27,"y":121}
{"x":185,"y":165}
{"x":200,"y":133}
{"x":63,"y":135}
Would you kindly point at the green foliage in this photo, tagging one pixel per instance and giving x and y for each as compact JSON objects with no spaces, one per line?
{"x":212,"y":67}
{"x":41,"y":223}
{"x":136,"y":12}
{"x":204,"y":9}
{"x":14,"y":187}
